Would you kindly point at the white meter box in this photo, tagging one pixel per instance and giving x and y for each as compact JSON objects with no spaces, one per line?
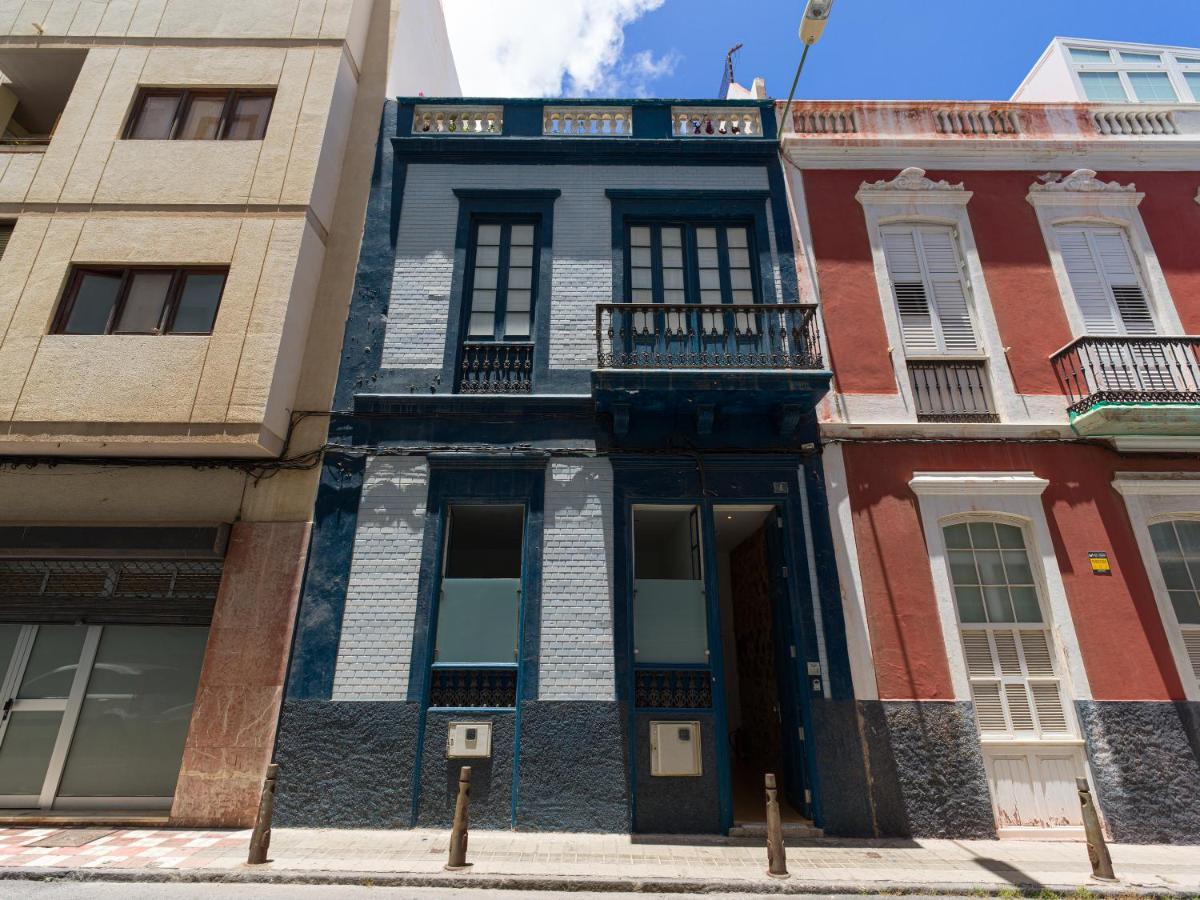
{"x":675,"y":749}
{"x":469,"y":740}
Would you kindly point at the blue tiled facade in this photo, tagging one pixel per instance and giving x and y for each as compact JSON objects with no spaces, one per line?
{"x":578,"y":423}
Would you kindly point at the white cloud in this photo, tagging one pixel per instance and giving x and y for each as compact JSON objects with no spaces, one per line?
{"x":548,"y":48}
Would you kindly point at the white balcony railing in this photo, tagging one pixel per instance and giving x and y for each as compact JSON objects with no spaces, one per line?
{"x":587,"y":121}
{"x":462,"y":120}
{"x":704,"y":122}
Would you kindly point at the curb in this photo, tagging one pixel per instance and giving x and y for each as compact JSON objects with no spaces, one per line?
{"x":574,"y":884}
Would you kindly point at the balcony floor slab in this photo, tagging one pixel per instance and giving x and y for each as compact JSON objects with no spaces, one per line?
{"x":1138,"y":419}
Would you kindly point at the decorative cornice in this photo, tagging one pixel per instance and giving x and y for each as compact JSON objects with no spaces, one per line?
{"x":971,"y":483}
{"x":910,"y":179}
{"x":1082,"y":180}
{"x":1157,"y":484}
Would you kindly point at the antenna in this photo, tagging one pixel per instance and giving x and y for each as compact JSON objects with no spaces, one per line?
{"x":727,"y":75}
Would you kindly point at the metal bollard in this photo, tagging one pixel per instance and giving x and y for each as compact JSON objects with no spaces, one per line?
{"x":458,"y":834}
{"x":1102,"y":869}
{"x":260,"y":839}
{"x":776,"y":855}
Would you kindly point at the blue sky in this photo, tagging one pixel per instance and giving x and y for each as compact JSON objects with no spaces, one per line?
{"x":900,"y":49}
{"x":890,"y":49}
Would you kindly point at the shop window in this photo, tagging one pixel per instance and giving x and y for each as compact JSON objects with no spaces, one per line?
{"x":478,"y":622}
{"x":1009,"y":650}
{"x":1177,"y":547}
{"x":141,"y":301}
{"x":162,"y":114}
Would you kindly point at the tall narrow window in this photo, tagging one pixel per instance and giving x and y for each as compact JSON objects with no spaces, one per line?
{"x":502,"y":280}
{"x":670,"y":623}
{"x":930,"y":289}
{"x":1105,"y":280}
{"x":478,"y":619}
{"x":1008,"y":648}
{"x":690,"y":263}
{"x":1177,"y":546}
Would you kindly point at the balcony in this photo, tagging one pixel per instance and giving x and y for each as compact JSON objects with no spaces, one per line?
{"x":496,"y":368}
{"x":718,"y":364}
{"x":1131,"y":386}
{"x":691,"y":336}
{"x":951,"y":390}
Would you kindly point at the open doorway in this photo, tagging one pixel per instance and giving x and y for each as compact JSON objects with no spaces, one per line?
{"x":755,"y":694}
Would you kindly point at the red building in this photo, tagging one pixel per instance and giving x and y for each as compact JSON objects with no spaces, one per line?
{"x":1008,"y":294}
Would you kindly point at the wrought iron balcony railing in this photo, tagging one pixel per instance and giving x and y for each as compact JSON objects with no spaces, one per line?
{"x":496,"y":369}
{"x":1096,"y":370}
{"x":698,"y":336}
{"x":951,"y":390}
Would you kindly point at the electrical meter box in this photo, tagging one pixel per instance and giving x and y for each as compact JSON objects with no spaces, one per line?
{"x":675,"y":748}
{"x":469,"y":740}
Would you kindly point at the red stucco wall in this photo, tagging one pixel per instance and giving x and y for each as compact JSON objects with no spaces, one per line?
{"x":1016,"y":265}
{"x":1122,"y":639}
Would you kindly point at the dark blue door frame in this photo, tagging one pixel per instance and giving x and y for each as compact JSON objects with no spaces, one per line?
{"x":795,"y":616}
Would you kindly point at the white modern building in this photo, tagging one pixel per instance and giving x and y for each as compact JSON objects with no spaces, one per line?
{"x":1112,"y":72}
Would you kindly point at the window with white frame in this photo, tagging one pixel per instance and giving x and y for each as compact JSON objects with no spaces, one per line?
{"x":930,"y":289}
{"x":1008,"y":648}
{"x":1177,"y":547}
{"x":1105,"y":280}
{"x":1149,"y":75}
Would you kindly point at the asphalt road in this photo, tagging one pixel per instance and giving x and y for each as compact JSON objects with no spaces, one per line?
{"x":65,"y":890}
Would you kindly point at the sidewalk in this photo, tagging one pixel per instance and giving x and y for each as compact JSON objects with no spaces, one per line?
{"x":562,"y":862}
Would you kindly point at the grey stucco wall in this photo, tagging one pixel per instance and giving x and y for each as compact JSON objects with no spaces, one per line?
{"x":573,"y":773}
{"x":345,"y":765}
{"x":687,"y":805}
{"x":841,"y":776}
{"x":927,"y":770}
{"x":491,"y":779}
{"x":1145,"y":769}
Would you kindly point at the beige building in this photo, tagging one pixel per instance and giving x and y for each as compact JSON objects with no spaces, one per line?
{"x":182,"y":193}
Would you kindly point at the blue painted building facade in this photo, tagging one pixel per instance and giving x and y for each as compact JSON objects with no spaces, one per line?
{"x":573,"y":493}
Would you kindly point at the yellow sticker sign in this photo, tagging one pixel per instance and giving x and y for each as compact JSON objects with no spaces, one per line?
{"x":1099,"y":561}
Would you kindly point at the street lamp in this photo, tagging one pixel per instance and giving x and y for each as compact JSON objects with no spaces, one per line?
{"x":816,"y":14}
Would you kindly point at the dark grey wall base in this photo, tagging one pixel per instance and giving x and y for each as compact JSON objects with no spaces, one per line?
{"x":676,"y":805}
{"x":491,"y":779}
{"x":931,"y":750}
{"x":1144,"y":764}
{"x":345,"y":765}
{"x":573,"y":774}
{"x":841,"y":775}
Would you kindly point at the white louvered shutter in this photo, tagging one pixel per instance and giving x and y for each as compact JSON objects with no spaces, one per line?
{"x":930,"y":289}
{"x":1104,"y":278}
{"x":1191,"y":640}
{"x":1013,"y":682}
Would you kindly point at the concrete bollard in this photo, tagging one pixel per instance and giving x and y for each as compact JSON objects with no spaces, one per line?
{"x":260,"y":839}
{"x":458,"y":834}
{"x":1102,"y":869}
{"x":776,"y":855}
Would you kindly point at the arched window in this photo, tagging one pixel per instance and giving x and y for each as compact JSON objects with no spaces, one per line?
{"x":1177,"y":547}
{"x":1008,"y":647}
